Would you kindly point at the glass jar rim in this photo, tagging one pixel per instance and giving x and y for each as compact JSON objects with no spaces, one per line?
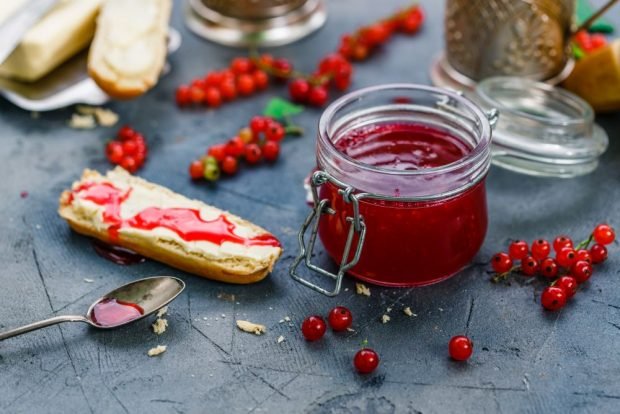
{"x":472,"y":157}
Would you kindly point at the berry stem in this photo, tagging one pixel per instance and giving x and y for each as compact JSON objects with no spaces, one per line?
{"x":584,"y":244}
{"x":503,"y":276}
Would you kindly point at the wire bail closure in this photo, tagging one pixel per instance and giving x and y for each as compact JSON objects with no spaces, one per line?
{"x":321,"y":206}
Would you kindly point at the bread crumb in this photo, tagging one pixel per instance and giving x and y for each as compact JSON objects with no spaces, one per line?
{"x":105,"y":117}
{"x":88,"y":280}
{"x":407,"y":311}
{"x":159,"y":349}
{"x":361,"y":289}
{"x":78,"y":121}
{"x":162,"y":311}
{"x":250,"y":327}
{"x":385,"y":319}
{"x":350,"y":330}
{"x":280,"y":339}
{"x":388,"y":310}
{"x":223,"y":315}
{"x":287,"y":319}
{"x":159,"y":326}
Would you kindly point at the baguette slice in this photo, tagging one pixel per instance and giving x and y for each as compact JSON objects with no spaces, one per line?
{"x":129,"y":49}
{"x":229,"y":261}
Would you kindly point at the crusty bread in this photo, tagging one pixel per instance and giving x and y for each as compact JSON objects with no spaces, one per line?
{"x":231,"y":263}
{"x":129,"y":49}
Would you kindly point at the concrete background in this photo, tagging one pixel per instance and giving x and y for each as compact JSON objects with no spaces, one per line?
{"x":526,"y":360}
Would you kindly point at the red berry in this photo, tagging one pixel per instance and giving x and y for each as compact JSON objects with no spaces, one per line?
{"x":229,"y":165}
{"x":340,"y":318}
{"x":197,"y":95}
{"x":583,"y":254}
{"x":235,"y":147}
{"x":375,"y":34}
{"x":582,"y":38}
{"x":265,"y":60}
{"x":313,"y":328}
{"x":529,"y":266}
{"x":129,"y":163}
{"x":241,"y":65}
{"x":598,"y":253}
{"x":228,"y":90}
{"x":214,"y":79}
{"x":562,"y":241}
{"x":299,"y":89}
{"x":125,"y":133}
{"x":271,"y":150}
{"x":218,"y":152}
{"x":518,"y":250}
{"x":566,"y":257}
{"x":549,"y":268}
{"x":541,"y":249}
{"x":359,"y":52}
{"x":245,"y":84}
{"x":412,"y":21}
{"x":501,"y":262}
{"x":182,"y":95}
{"x":330,"y":63}
{"x":213,"y":96}
{"x":366,"y":361}
{"x":282,"y":68}
{"x":130,"y":148}
{"x":597,"y":40}
{"x":114,"y":152}
{"x":604,"y":234}
{"x":553,"y":298}
{"x":275,"y":132}
{"x":261,"y":79}
{"x":568,"y":284}
{"x":196,"y":169}
{"x":460,"y":348}
{"x":317,"y":96}
{"x":259,"y":124}
{"x":252,"y":153}
{"x":581,"y":271}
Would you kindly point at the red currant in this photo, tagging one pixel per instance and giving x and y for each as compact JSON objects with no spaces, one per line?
{"x":282,"y":68}
{"x":581,"y":271}
{"x":566,"y":257}
{"x":114,"y":152}
{"x":130,"y":148}
{"x":241,"y":65}
{"x":271,"y":150}
{"x":228,"y":90}
{"x":529,"y":266}
{"x":252,"y":153}
{"x":214,"y":79}
{"x":196,"y":169}
{"x":549,"y":268}
{"x":598,"y":253}
{"x":129,"y":163}
{"x":597,"y":40}
{"x":299,"y":89}
{"x":366,"y":361}
{"x":501,"y":262}
{"x":518,"y":250}
{"x":583,"y":254}
{"x":317,"y":96}
{"x":340,"y":318}
{"x":126,"y":133}
{"x":235,"y":147}
{"x":259,"y":124}
{"x":375,"y":34}
{"x":245,"y":84}
{"x":568,"y":284}
{"x":313,"y":328}
{"x":217,"y":151}
{"x":229,"y":165}
{"x":541,"y":249}
{"x":197,"y":95}
{"x":275,"y":132}
{"x":460,"y":348}
{"x":604,"y":234}
{"x":261,"y":79}
{"x":562,"y":241}
{"x":182,"y":95}
{"x":553,"y":298}
{"x":213,"y":97}
{"x":412,"y":21}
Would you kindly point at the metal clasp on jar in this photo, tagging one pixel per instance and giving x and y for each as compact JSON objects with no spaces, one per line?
{"x":356,"y":226}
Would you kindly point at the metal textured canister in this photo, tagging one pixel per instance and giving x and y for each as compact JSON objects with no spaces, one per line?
{"x":528,"y":38}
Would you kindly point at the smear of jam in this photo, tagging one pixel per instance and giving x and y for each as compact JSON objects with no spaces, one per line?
{"x":117,"y":254}
{"x":113,"y":312}
{"x":185,"y":222}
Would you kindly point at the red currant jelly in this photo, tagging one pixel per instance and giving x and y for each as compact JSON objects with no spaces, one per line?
{"x":111,"y":312}
{"x":418,"y":173}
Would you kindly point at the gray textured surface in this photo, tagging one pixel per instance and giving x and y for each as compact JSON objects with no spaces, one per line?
{"x":526,"y":360}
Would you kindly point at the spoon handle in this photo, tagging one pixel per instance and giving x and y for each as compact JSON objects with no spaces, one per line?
{"x":42,"y":324}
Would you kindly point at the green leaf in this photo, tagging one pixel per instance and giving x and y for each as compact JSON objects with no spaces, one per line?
{"x":578,"y":53}
{"x":279,"y":108}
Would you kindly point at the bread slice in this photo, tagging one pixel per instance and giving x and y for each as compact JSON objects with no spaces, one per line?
{"x":129,"y":49}
{"x":229,"y":261}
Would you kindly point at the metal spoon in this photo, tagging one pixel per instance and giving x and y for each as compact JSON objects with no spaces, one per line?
{"x":151,"y":294}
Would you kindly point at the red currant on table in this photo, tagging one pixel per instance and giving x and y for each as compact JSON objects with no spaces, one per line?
{"x":282,"y":67}
{"x":581,"y":271}
{"x":518,"y":250}
{"x":245,"y":84}
{"x":182,"y":95}
{"x":549,"y":268}
{"x":583,"y":254}
{"x":261,"y":79}
{"x":241,"y":65}
{"x":313,"y":328}
{"x":275,"y":132}
{"x":229,"y":165}
{"x":125,"y":133}
{"x":604,"y":234}
{"x":366,"y":361}
{"x":317,"y":96}
{"x":258,"y":124}
{"x":541,"y":249}
{"x":501,"y":262}
{"x":566,"y":256}
{"x":299,"y":89}
{"x":560,"y":242}
{"x":114,"y":152}
{"x":340,"y":318}
{"x":553,"y":298}
{"x":568,"y":284}
{"x":228,"y":90}
{"x":598,"y":252}
{"x":213,"y":97}
{"x":271,"y":150}
{"x":235,"y":147}
{"x":460,"y":348}
{"x":253,"y":153}
{"x":196,"y":170}
{"x":129,"y":163}
{"x":217,"y":151}
{"x":529,"y":266}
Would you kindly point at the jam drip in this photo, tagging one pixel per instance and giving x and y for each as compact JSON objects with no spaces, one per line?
{"x":117,"y":254}
{"x":113,"y":312}
{"x":185,"y":222}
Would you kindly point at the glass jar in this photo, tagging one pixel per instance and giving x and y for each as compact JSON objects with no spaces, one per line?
{"x":398,"y":226}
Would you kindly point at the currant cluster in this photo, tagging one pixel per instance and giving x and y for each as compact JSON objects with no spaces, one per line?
{"x":587,"y":42}
{"x":340,"y":319}
{"x":254,"y":143}
{"x":333,"y":70}
{"x":128,"y":150}
{"x":571,"y":266}
{"x":241,"y":78}
{"x":359,"y":45}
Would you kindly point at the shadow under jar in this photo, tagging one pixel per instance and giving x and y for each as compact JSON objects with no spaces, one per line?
{"x":399,"y":190}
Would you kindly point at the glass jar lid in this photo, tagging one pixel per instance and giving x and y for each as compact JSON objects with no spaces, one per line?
{"x":542,"y":130}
